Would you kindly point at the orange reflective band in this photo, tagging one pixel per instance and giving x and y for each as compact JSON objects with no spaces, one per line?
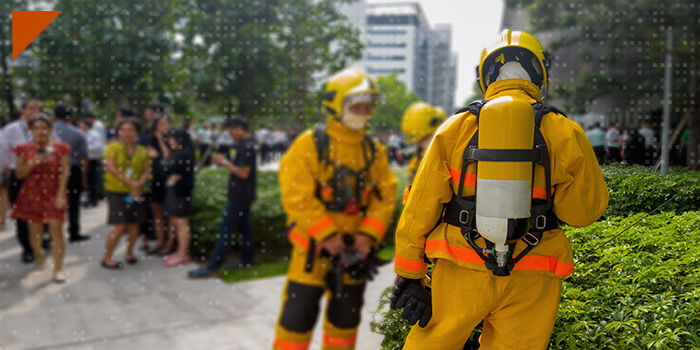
{"x":341,"y":342}
{"x":469,"y":178}
{"x":299,"y":239}
{"x":408,"y":264}
{"x":531,"y":263}
{"x":540,"y":193}
{"x":319,"y":226}
{"x":288,"y":345}
{"x":375,"y":224}
{"x":544,"y":263}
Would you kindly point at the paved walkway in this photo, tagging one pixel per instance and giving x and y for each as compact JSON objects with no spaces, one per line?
{"x":146,"y":306}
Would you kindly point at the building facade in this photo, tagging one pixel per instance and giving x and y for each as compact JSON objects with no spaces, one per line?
{"x":399,"y":39}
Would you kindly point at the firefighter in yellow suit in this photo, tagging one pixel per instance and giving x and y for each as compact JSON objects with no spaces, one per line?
{"x":419,"y":123}
{"x":518,"y":310}
{"x":335,"y":183}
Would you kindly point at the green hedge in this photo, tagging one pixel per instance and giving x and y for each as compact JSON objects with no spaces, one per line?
{"x":209,"y":203}
{"x":635,"y":190}
{"x":639,"y":291}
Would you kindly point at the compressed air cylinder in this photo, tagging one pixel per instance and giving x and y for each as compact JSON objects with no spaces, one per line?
{"x":504,"y":188}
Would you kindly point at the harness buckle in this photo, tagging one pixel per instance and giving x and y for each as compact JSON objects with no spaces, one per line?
{"x":527,"y":239}
{"x":540,"y":222}
{"x":464,"y":217}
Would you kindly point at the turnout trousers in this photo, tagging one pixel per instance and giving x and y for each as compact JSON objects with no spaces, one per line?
{"x":300,"y":306}
{"x":518,"y":311}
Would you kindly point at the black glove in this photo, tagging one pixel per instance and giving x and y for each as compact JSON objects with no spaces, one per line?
{"x":415,"y":300}
{"x":368,"y":268}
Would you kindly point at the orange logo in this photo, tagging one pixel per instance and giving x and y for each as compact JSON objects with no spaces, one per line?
{"x":26,"y":26}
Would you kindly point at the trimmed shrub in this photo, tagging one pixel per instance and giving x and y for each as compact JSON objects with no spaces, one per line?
{"x":635,"y":190}
{"x":209,"y":203}
{"x":269,"y":219}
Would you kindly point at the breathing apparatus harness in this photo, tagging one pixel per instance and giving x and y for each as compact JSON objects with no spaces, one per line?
{"x":338,"y":193}
{"x":461,"y":211}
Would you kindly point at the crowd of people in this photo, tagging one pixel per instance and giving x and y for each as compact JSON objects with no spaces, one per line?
{"x":144,"y":168}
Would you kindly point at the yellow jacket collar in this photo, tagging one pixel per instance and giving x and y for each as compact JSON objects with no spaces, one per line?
{"x":510,"y":87}
{"x":341,"y":132}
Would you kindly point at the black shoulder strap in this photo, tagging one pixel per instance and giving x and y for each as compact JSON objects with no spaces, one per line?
{"x":473,"y":107}
{"x":321,"y":140}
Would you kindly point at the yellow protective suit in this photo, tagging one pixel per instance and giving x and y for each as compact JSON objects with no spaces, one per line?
{"x":510,"y":306}
{"x":300,"y":175}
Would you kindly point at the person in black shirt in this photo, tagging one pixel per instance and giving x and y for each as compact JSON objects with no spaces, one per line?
{"x":159,"y":153}
{"x":241,"y":193}
{"x":179,"y":172}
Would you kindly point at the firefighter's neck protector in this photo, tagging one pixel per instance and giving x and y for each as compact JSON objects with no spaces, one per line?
{"x":358,"y":121}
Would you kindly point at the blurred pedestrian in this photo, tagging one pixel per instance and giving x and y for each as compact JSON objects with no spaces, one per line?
{"x":241,"y":194}
{"x":634,"y":147}
{"x":14,"y":134}
{"x":206,"y":138}
{"x":44,"y":166}
{"x":78,"y":166}
{"x":95,"y":146}
{"x":613,"y":141}
{"x":128,"y":169}
{"x":178,"y":194}
{"x":159,"y":152}
{"x":596,"y":136}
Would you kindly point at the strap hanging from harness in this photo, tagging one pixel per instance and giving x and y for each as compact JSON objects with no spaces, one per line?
{"x":461,"y":211}
{"x":344,"y":195}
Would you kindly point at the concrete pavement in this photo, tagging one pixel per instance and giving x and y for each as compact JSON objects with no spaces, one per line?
{"x":146,"y":306}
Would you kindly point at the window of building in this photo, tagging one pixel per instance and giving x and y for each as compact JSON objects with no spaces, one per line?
{"x":386,"y":58}
{"x":386,"y":32}
{"x":385,"y":70}
{"x":394,"y":45}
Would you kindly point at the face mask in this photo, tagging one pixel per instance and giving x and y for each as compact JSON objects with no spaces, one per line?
{"x":355,"y":122}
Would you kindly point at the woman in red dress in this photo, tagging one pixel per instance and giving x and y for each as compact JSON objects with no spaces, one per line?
{"x":44,"y":165}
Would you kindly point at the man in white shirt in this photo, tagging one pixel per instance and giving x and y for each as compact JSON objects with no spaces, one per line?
{"x":613,"y":140}
{"x":14,"y":134}
{"x":95,"y":146}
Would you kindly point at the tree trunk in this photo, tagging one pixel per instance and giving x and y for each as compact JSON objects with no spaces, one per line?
{"x":7,"y":78}
{"x":693,"y":122}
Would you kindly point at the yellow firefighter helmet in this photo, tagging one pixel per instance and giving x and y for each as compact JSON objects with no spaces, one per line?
{"x":349,"y":86}
{"x":420,"y":121}
{"x":514,"y":46}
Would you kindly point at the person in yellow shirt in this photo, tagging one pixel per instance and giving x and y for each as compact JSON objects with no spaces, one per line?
{"x":515,"y":292}
{"x":128,"y":168}
{"x":419,"y":123}
{"x":339,"y":195}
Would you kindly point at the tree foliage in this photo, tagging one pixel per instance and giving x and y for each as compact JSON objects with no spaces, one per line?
{"x":624,"y":51}
{"x":396,"y":98}
{"x":261,"y":58}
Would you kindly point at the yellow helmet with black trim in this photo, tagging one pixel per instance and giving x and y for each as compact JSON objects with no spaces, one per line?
{"x":514,"y":46}
{"x":349,"y":85}
{"x":420,"y":120}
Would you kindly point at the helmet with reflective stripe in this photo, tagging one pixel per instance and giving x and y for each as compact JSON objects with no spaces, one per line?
{"x":420,"y":121}
{"x":514,"y":46}
{"x":349,"y":86}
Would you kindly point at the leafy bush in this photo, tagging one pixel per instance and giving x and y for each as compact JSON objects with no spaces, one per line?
{"x":209,"y":203}
{"x":639,"y":291}
{"x":636,"y":290}
{"x":635,"y":190}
